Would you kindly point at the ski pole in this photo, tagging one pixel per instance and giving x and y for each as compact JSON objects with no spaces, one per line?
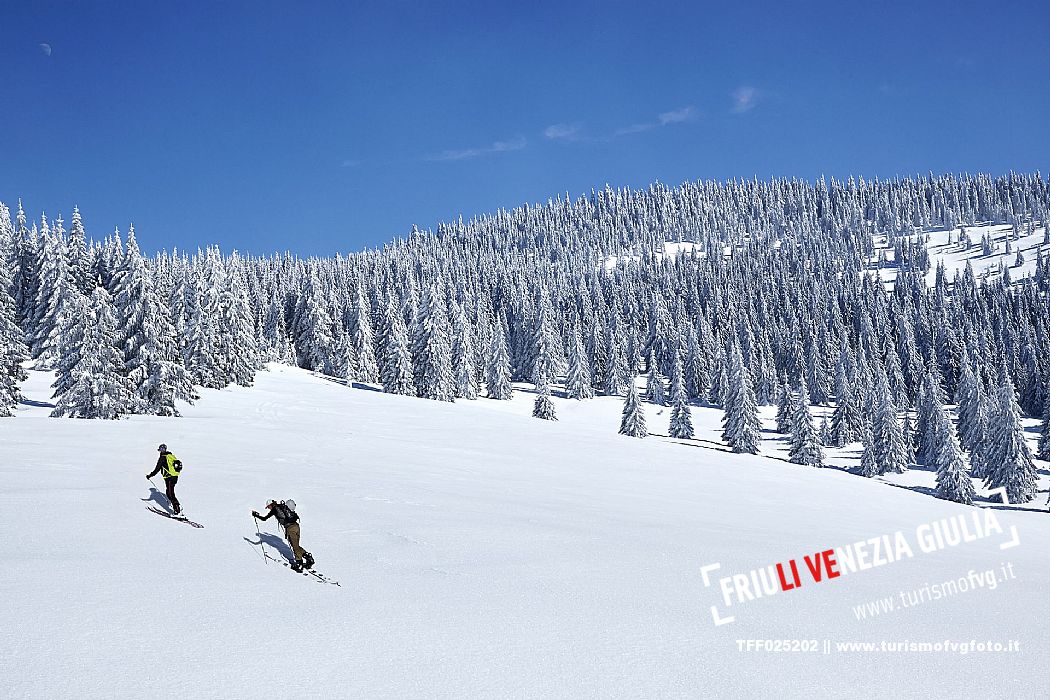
{"x":262,"y":547}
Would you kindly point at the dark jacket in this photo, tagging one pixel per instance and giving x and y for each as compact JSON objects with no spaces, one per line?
{"x":285,"y":515}
{"x":161,"y":468}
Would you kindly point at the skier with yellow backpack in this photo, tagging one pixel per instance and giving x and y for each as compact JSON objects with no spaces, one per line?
{"x":169,"y":466}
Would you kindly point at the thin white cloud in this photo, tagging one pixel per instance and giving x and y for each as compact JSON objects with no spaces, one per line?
{"x":677,"y":116}
{"x":45,"y":49}
{"x":745,"y":98}
{"x":562,"y":132}
{"x":635,"y":129}
{"x":515,"y":144}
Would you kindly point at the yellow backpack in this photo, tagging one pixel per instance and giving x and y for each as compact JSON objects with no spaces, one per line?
{"x":174,"y":466}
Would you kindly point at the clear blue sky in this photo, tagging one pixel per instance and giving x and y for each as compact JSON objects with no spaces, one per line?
{"x":318,"y":128}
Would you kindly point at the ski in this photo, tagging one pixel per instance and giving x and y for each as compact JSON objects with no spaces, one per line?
{"x":321,"y":577}
{"x":180,"y":518}
{"x":318,"y":576}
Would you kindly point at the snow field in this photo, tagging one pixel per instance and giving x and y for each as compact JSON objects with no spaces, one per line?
{"x":482,"y":553}
{"x":955,"y":258}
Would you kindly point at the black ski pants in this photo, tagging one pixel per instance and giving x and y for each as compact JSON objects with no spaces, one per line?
{"x":169,"y":489}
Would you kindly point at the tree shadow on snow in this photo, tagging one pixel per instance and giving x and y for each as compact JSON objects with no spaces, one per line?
{"x":993,"y":503}
{"x":365,"y":387}
{"x":924,"y":490}
{"x":921,"y":467}
{"x":719,"y":447}
{"x":854,"y":470}
{"x":348,"y":384}
{"x":37,"y":404}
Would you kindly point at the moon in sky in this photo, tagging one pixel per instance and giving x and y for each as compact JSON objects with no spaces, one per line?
{"x":46,"y":48}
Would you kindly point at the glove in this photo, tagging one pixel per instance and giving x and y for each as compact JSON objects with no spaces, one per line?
{"x":255,"y":515}
{"x":147,"y":477}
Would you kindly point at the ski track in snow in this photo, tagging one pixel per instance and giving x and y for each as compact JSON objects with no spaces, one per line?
{"x":481,"y":553}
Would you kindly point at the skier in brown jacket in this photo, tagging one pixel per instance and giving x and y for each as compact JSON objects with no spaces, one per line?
{"x":289,"y":520}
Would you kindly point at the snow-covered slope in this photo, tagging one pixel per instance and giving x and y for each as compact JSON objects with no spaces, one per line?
{"x":481,"y":553}
{"x":954,"y":256}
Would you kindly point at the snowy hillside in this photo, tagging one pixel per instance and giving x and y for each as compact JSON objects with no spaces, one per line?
{"x":481,"y":553}
{"x":954,"y":256}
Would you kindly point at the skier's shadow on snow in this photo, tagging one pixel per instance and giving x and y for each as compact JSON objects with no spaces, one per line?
{"x":276,"y":542}
{"x":158,"y":498}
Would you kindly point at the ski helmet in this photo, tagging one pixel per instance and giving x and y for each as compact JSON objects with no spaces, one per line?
{"x":162,"y":448}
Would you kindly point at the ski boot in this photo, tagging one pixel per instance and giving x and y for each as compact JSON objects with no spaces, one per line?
{"x":309,"y":561}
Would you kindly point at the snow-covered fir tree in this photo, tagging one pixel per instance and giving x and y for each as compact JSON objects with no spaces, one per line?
{"x":908,"y":434}
{"x":804,"y":446}
{"x":578,"y":381}
{"x":362,"y":340}
{"x":654,"y":384}
{"x":681,"y":420}
{"x":1008,"y":460}
{"x":869,"y":463}
{"x":741,"y":427}
{"x":203,"y":326}
{"x":463,"y":356}
{"x":887,"y":438}
{"x":432,"y":348}
{"x":719,"y":379}
{"x":99,"y":388}
{"x":314,"y":340}
{"x":12,"y":348}
{"x":79,"y":258}
{"x":1043,"y":450}
{"x":783,"y":417}
{"x":547,"y":359}
{"x":397,"y":376}
{"x":275,"y":344}
{"x":967,"y":398}
{"x":546,"y":350}
{"x":543,"y":407}
{"x":632,"y":423}
{"x":147,"y":338}
{"x":953,"y":478}
{"x":26,"y":273}
{"x":697,"y":374}
{"x":236,"y":345}
{"x":55,"y":290}
{"x":71,"y":326}
{"x":846,"y":419}
{"x":931,"y":396}
{"x":824,"y":434}
{"x":616,"y":374}
{"x":497,"y":383}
